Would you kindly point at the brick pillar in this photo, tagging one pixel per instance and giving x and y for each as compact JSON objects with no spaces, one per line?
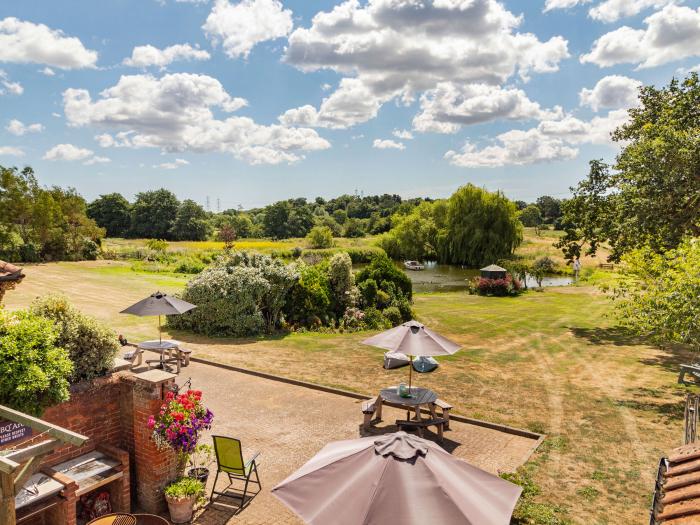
{"x":154,"y":468}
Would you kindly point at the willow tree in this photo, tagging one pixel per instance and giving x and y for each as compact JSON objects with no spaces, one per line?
{"x":481,"y":227}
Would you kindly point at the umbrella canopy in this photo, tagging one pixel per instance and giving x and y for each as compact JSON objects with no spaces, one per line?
{"x":396,"y":478}
{"x":159,"y":304}
{"x":414,"y":339}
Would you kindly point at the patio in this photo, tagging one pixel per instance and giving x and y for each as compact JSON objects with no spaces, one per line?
{"x":288,"y":424}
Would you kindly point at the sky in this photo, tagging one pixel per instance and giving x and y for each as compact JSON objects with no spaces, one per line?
{"x":242,"y":103}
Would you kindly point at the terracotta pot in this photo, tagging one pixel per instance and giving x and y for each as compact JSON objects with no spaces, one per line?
{"x":200,"y":473}
{"x":180,"y":508}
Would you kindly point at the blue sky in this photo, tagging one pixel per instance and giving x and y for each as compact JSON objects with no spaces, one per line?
{"x":254,"y":101}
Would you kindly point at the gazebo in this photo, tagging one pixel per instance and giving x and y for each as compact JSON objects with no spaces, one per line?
{"x":10,"y":276}
{"x":493,"y":271}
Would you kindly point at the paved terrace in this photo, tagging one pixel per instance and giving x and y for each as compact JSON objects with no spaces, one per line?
{"x":288,"y":424}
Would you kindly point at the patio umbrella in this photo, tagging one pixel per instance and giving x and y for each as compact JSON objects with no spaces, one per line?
{"x":159,"y":304}
{"x":395,"y":478}
{"x":413,"y":339}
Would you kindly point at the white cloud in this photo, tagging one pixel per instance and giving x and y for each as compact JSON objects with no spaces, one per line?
{"x":57,"y":115}
{"x":514,"y":148}
{"x":389,"y":49}
{"x":172,"y":165}
{"x":175,"y":113}
{"x":239,"y":27}
{"x":25,"y":42}
{"x":11,"y":151}
{"x":613,"y":91}
{"x":551,"y":140}
{"x":96,"y":160}
{"x":402,"y":134}
{"x":18,"y":128}
{"x":146,"y":56}
{"x":387,"y":144}
{"x":326,"y":86}
{"x":67,"y":152}
{"x":6,"y":86}
{"x":562,"y":4}
{"x":612,"y":10}
{"x":671,"y":34}
{"x":48,"y":72}
{"x":450,"y":106}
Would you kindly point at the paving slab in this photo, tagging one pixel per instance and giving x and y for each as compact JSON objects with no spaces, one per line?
{"x":288,"y":424}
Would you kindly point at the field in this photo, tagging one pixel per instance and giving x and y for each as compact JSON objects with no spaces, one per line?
{"x":551,"y":361}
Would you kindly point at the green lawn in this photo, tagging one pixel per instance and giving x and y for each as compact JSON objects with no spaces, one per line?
{"x":550,"y":361}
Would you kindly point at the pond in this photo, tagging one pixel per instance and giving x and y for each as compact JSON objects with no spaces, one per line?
{"x":448,"y":278}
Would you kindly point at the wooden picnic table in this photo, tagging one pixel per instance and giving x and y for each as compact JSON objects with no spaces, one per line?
{"x":419,"y":396}
{"x":163,"y":346}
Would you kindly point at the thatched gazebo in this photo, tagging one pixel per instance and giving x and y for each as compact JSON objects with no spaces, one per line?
{"x":493,"y":271}
{"x":10,"y":276}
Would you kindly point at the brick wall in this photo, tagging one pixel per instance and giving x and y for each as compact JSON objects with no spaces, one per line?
{"x":113,"y":412}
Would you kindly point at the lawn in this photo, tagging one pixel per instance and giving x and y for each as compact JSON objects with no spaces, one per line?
{"x":550,"y":361}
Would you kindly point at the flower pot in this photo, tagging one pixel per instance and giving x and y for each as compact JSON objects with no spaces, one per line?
{"x":181,"y":508}
{"x":200,"y":473}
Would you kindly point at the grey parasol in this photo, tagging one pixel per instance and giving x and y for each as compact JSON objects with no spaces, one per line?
{"x":395,"y":478}
{"x":159,"y":304}
{"x":413,"y":339}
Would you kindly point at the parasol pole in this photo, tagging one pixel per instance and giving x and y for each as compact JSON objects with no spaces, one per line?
{"x":410,"y":373}
{"x":160,"y":331}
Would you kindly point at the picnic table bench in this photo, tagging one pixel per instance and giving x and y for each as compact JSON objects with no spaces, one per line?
{"x":693,"y":370}
{"x":438,"y":422}
{"x":372,"y":408}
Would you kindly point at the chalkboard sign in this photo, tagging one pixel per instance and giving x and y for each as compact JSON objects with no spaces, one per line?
{"x":11,"y":431}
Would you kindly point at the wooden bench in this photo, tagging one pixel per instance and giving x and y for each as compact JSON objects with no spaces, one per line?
{"x":438,"y":423}
{"x":185,"y":354}
{"x":371,"y":407}
{"x":606,"y":266}
{"x":693,"y":370}
{"x":445,"y":407}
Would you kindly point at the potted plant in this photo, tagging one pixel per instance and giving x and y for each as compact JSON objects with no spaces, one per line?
{"x":202,"y":456}
{"x":182,"y":495}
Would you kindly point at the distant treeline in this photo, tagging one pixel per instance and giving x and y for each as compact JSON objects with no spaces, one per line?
{"x":158,"y":214}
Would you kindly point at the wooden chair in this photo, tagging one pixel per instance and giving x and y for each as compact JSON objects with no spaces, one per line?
{"x":229,"y":460}
{"x":439,"y":424}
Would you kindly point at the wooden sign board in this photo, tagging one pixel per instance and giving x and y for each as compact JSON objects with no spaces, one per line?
{"x":11,"y":431}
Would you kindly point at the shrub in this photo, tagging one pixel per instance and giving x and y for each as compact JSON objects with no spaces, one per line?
{"x":542,"y":267}
{"x":320,"y":237}
{"x":157,"y":245}
{"x":241,"y":294}
{"x":185,"y":488}
{"x":189,"y":265}
{"x":341,"y":282}
{"x":374,"y":319}
{"x":308,"y":301}
{"x":393,"y":315}
{"x":382,"y":269}
{"x":34,"y":370}
{"x":497,"y":287}
{"x":90,"y":344}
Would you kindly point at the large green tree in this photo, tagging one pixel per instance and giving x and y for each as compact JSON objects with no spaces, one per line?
{"x":153,"y":214}
{"x":481,"y":227}
{"x":650,"y":196}
{"x":190,"y":222}
{"x":112,"y":212}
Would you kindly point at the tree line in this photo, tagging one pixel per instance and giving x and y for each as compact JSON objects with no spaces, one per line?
{"x":158,"y":214}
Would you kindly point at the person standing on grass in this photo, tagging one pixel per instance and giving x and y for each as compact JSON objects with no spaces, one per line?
{"x":577,"y":268}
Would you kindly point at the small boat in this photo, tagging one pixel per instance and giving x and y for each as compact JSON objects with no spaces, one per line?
{"x":413,"y":265}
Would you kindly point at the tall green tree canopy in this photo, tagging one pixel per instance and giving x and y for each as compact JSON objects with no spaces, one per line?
{"x":112,"y":212}
{"x":481,"y":227}
{"x":651,"y":194}
{"x":153,"y":214}
{"x":190,"y":222}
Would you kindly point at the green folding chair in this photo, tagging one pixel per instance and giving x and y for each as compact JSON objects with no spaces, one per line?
{"x":229,"y":460}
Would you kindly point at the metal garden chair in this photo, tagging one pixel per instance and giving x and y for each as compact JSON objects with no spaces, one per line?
{"x":229,"y":460}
